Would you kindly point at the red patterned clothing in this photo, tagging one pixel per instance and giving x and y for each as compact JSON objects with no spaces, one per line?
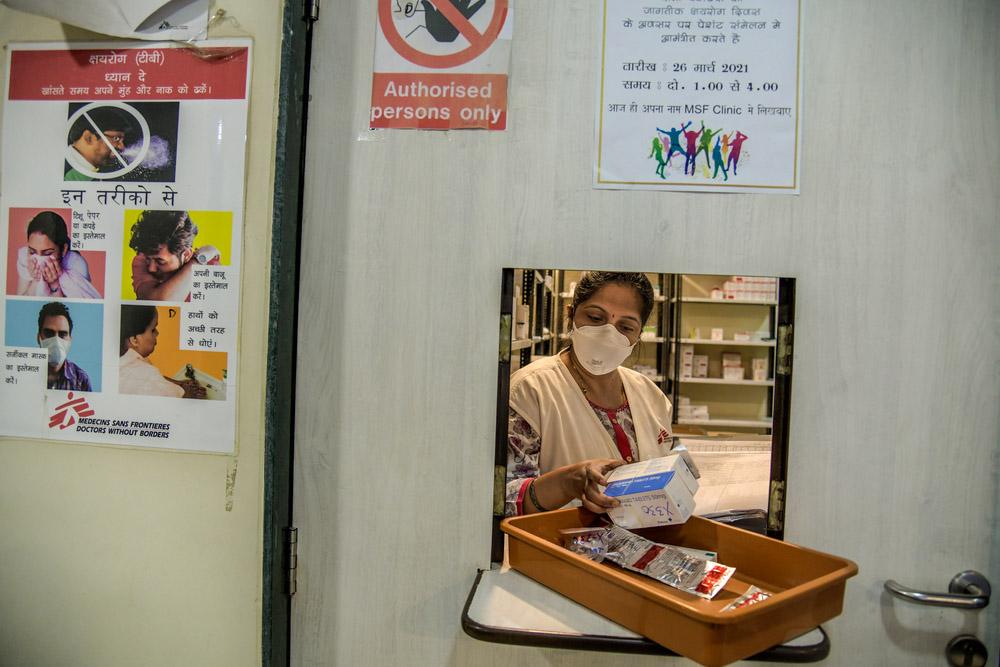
{"x":524,"y":446}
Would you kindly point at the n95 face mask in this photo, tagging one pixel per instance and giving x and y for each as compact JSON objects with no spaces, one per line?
{"x":600,"y":350}
{"x":58,"y":350}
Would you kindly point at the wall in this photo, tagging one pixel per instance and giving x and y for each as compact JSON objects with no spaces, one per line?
{"x":892,"y":242}
{"x":124,"y":557}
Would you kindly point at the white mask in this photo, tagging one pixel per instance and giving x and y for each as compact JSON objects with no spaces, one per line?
{"x":601,"y":349}
{"x":58,"y":350}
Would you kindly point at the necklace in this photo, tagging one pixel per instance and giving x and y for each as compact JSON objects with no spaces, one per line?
{"x":578,"y":376}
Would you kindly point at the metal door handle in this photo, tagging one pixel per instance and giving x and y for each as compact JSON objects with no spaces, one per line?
{"x":967,"y":590}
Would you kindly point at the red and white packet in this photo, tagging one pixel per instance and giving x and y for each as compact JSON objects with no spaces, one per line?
{"x":666,"y":563}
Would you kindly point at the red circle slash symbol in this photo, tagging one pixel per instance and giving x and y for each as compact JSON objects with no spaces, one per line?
{"x":478,"y":41}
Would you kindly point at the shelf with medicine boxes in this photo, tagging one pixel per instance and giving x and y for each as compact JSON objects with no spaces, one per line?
{"x":728,"y":340}
{"x":715,"y":356}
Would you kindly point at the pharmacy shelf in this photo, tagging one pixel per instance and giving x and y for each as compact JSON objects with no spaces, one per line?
{"x":655,"y":339}
{"x":520,"y":344}
{"x":567,"y":295}
{"x":744,"y":383}
{"x":733,"y":343}
{"x":735,"y":302}
{"x":745,"y":423}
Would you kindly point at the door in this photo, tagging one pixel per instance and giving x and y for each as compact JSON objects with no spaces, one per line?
{"x":892,"y":458}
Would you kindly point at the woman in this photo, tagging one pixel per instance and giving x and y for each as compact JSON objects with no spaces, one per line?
{"x":47,"y":267}
{"x":577,"y":415}
{"x":135,"y":374}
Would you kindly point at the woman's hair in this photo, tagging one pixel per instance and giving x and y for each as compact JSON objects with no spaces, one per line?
{"x":53,"y":226}
{"x":135,"y":320}
{"x":592,"y":281}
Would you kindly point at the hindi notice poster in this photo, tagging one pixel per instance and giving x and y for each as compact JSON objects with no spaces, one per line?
{"x":699,"y":95}
{"x":122,"y":174}
{"x":441,"y":64}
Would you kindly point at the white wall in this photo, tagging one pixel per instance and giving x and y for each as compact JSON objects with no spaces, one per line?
{"x":124,"y":557}
{"x":893,"y":242}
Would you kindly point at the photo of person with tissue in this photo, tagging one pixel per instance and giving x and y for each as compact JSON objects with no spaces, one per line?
{"x":165,"y":255}
{"x":577,"y":415}
{"x":136,"y":375}
{"x":55,"y":334}
{"x":47,"y":267}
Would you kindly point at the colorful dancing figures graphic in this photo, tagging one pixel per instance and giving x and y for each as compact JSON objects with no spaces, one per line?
{"x":675,"y":140}
{"x":692,"y":146}
{"x":657,"y":150}
{"x":734,"y":153}
{"x":706,"y":144}
{"x":720,"y":162}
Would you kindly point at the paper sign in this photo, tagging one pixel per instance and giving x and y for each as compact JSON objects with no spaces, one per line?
{"x":122,"y":215}
{"x":699,"y":95}
{"x":441,"y":64}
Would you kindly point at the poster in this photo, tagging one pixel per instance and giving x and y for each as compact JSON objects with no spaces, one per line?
{"x":699,"y":95}
{"x":122,"y":173}
{"x":441,"y":64}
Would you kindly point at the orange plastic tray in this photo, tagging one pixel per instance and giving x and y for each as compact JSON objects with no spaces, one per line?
{"x":807,"y":585}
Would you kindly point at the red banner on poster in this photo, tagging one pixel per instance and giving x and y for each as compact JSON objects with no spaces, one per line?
{"x":134,"y":74}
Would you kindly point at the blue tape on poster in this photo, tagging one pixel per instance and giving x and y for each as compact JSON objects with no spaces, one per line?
{"x":639,"y":484}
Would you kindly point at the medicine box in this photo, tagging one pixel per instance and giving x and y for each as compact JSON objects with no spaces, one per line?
{"x":716,"y":333}
{"x":657,"y":492}
{"x":732,"y":373}
{"x":732,"y":359}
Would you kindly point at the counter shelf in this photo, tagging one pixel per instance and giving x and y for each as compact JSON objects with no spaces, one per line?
{"x":506,"y":607}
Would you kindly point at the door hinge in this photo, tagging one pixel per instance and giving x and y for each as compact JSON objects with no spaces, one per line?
{"x":312,"y":10}
{"x":505,"y":323}
{"x":499,"y":489}
{"x":291,"y":560}
{"x":776,"y":507}
{"x":784,"y":352}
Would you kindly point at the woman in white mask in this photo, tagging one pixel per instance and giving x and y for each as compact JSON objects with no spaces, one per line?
{"x":577,"y":415}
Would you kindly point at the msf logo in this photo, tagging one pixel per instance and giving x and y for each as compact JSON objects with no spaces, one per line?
{"x":64,"y":416}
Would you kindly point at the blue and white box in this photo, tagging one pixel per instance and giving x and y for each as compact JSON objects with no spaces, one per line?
{"x":657,"y":492}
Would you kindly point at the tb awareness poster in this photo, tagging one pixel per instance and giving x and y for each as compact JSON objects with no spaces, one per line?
{"x":699,"y":95}
{"x":121,"y":195}
{"x":441,"y":64}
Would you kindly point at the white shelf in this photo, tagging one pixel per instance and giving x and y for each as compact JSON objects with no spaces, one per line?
{"x":745,"y":423}
{"x":736,"y":302}
{"x":656,"y":339}
{"x":734,"y":343}
{"x":744,"y":383}
{"x":520,"y":344}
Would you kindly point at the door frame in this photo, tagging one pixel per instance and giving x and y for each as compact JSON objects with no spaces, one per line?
{"x":293,"y":90}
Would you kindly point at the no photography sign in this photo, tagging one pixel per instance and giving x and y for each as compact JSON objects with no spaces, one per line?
{"x":441,"y":64}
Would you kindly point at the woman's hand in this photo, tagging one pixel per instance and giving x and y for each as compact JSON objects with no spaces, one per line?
{"x":579,"y":480}
{"x":50,"y":271}
{"x":589,"y":478}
